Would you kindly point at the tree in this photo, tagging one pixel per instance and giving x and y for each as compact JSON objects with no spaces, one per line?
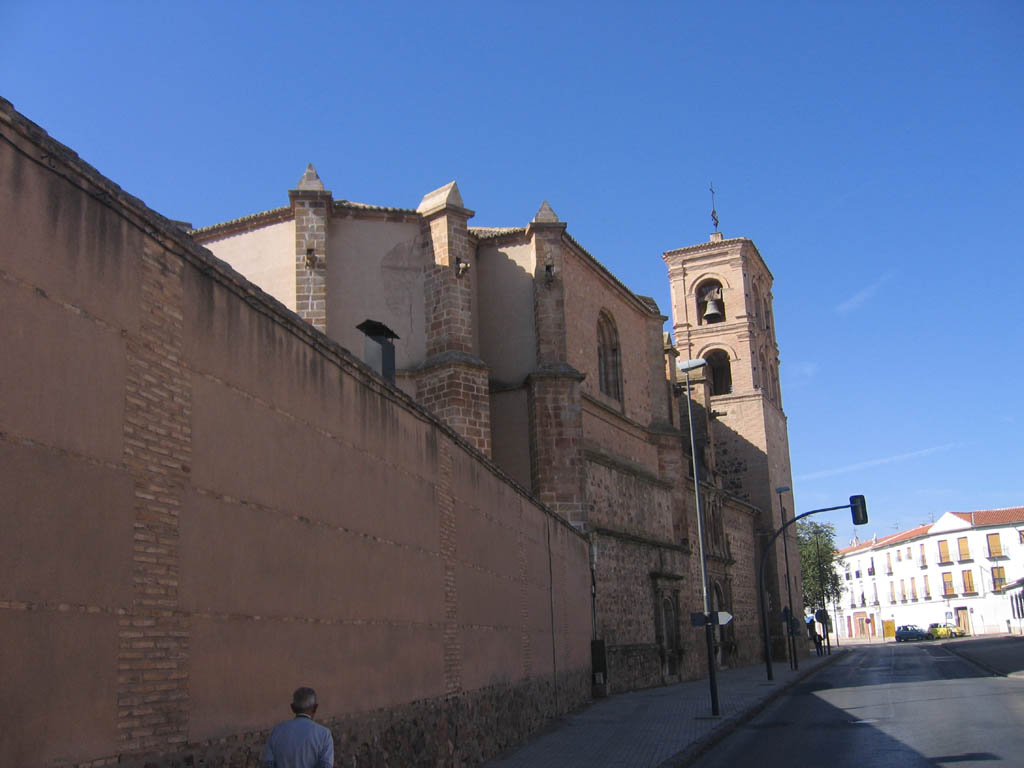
{"x":818,"y":560}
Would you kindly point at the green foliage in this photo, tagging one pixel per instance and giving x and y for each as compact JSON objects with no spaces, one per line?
{"x":818,"y":559}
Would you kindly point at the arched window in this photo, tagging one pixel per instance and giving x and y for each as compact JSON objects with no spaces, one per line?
{"x":609,"y":373}
{"x":710,"y":303}
{"x":721,"y":371}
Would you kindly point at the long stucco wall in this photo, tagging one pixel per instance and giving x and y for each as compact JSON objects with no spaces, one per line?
{"x":208,"y":504}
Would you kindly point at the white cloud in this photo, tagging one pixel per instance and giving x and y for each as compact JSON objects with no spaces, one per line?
{"x":802,"y":370}
{"x":875,"y":462}
{"x":862,"y":295}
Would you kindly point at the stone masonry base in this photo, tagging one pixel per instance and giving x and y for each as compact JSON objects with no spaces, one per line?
{"x":459,"y":730}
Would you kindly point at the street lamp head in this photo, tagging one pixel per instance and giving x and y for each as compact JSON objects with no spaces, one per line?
{"x":684,"y":366}
{"x":783,"y":489}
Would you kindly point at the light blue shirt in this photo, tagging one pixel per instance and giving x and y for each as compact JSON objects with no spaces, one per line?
{"x":299,"y":743}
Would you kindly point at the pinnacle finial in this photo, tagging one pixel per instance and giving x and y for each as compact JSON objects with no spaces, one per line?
{"x":447,"y":195}
{"x":311,"y":180}
{"x":545,"y":214}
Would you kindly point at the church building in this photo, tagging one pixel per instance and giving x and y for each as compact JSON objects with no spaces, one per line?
{"x":546,"y":363}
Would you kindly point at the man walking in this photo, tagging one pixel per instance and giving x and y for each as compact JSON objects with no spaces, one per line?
{"x":300,"y":743}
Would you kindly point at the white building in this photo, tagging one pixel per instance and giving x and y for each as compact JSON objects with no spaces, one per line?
{"x":955,"y":571}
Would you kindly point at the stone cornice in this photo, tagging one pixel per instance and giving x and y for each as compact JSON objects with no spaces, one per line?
{"x":616,"y":534}
{"x":676,"y":255}
{"x":451,"y":357}
{"x":597,"y":456}
{"x":556,"y":371}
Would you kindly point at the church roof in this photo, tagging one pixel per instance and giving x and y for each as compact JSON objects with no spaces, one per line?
{"x":488,"y":233}
{"x":253,"y":219}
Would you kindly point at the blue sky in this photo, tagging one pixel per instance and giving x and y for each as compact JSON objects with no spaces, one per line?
{"x":872,"y":151}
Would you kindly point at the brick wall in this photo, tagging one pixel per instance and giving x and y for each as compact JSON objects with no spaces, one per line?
{"x":453,"y":381}
{"x":312,"y":210}
{"x":153,"y":652}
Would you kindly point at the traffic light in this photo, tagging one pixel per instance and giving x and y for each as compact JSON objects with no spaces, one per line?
{"x":859,"y":509}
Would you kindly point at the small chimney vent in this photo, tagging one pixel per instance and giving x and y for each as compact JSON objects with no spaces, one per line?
{"x":378,"y":349}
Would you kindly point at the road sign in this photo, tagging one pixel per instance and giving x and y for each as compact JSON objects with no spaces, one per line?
{"x":721,"y":618}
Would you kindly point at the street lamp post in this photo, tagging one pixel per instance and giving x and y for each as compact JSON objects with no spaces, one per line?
{"x":685,"y":367}
{"x":860,"y":517}
{"x":790,"y":640}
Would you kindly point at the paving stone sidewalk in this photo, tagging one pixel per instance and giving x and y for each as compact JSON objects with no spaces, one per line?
{"x":659,"y":727}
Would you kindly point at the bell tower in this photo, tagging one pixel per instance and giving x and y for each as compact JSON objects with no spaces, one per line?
{"x":722,"y":311}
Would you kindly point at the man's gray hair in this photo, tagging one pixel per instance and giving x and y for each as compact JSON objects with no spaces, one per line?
{"x":303,"y":701}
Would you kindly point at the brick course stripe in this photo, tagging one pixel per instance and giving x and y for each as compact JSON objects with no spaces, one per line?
{"x":153,"y":637}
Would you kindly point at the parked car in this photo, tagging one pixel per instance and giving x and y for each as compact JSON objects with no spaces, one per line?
{"x":911,"y":632}
{"x":944,"y":631}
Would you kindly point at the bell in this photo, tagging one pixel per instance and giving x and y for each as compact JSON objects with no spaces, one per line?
{"x":713,"y":313}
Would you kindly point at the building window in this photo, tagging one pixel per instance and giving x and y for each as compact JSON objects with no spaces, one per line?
{"x":944,"y":553}
{"x":924,"y":559}
{"x":892,"y":591}
{"x":995,"y":546}
{"x":908,"y":554}
{"x":947,"y":584}
{"x":609,"y":372}
{"x":899,"y":555}
{"x":710,"y":304}
{"x":998,"y":578}
{"x":721,"y":371}
{"x":913,"y":588}
{"x":927,"y":588}
{"x":968,"y":582}
{"x":888,"y":563}
{"x":903,"y":592}
{"x":964,"y":550}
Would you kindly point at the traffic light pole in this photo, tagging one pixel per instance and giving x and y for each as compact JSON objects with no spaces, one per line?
{"x":860,"y":516}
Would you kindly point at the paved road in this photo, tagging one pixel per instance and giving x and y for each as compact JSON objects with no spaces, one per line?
{"x":905,"y":705}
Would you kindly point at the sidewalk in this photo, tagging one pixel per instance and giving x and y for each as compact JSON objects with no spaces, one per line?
{"x":999,"y":654}
{"x":657,"y":727}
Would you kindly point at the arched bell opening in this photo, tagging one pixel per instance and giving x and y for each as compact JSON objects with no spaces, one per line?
{"x":721,"y":371}
{"x":710,"y":303}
